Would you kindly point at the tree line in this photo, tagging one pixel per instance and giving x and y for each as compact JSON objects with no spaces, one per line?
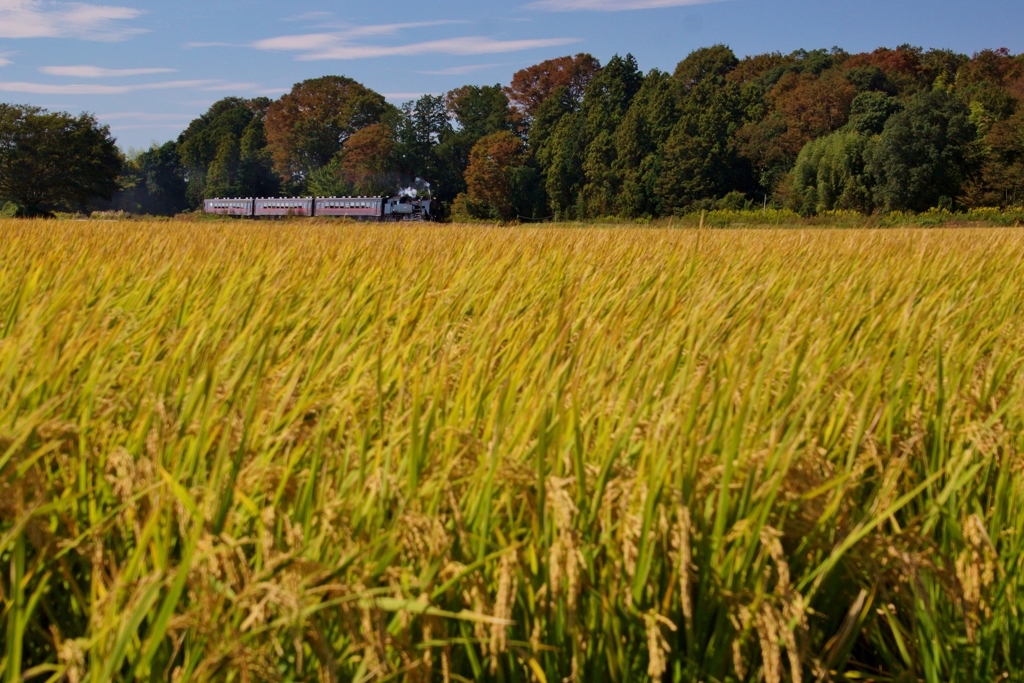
{"x":901,"y":129}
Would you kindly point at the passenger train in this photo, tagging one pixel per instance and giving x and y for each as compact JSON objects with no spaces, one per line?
{"x":403,"y":208}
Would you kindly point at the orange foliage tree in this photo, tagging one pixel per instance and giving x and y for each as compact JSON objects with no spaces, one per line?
{"x":309,"y":125}
{"x":368,"y":160}
{"x":531,"y":86}
{"x":490,"y":178}
{"x":810,"y":106}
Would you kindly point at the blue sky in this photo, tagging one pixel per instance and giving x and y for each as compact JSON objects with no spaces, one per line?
{"x":147,"y":68}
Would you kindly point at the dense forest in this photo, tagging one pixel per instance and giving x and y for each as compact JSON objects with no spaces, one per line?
{"x":892,"y":130}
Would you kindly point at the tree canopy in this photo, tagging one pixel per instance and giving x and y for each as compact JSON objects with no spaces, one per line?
{"x":51,"y":161}
{"x":893,"y":129}
{"x":309,"y":125}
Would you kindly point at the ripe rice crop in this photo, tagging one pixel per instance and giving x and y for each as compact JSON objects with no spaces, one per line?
{"x":299,"y":452}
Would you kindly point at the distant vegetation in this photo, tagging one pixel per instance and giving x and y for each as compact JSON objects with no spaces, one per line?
{"x":901,"y":129}
{"x":245,"y":454}
{"x":52,"y":160}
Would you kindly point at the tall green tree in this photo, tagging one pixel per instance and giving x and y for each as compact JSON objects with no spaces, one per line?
{"x":870,"y":111}
{"x":830,"y":173}
{"x":638,"y":142}
{"x":224,"y":152}
{"x":424,"y":143}
{"x":699,"y":157}
{"x":563,"y":177}
{"x":706,"y":64}
{"x":925,"y":154}
{"x":605,"y":104}
{"x":51,"y":161}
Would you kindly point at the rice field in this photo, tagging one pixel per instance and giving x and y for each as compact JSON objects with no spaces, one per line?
{"x":309,"y":452}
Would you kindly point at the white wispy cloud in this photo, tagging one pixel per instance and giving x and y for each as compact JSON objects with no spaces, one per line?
{"x":83,"y":71}
{"x":356,"y":42}
{"x":97,"y":89}
{"x":330,"y":46}
{"x":4,"y":61}
{"x":44,"y":19}
{"x":610,"y":5}
{"x":461,"y":70}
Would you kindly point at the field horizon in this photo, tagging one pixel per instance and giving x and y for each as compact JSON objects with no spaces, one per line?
{"x":306,"y":451}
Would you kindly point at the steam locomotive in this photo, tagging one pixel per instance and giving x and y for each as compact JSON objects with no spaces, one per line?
{"x":379,"y":209}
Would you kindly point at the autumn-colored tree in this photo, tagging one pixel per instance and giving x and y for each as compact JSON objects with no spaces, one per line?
{"x":491,"y":176}
{"x":905,"y":68}
{"x":476,"y":112}
{"x":905,"y":60}
{"x":532,"y":85}
{"x":997,"y":67}
{"x":309,"y":125}
{"x":807,"y":97}
{"x":368,"y":161}
{"x":811,"y":107}
{"x":365,"y":166}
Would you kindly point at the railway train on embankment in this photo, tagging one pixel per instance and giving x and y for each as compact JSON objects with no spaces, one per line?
{"x":379,"y":209}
